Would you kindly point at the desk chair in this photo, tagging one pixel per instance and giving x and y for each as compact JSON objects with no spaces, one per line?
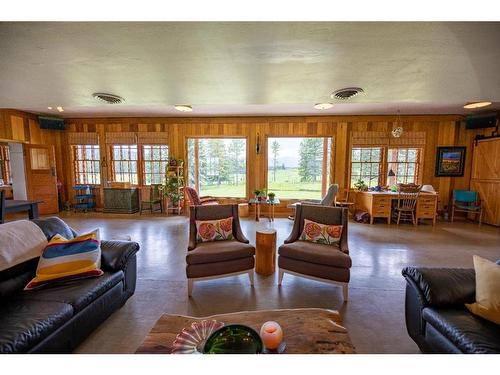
{"x":407,"y":202}
{"x":151,"y":197}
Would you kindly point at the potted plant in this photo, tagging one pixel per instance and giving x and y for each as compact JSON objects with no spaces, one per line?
{"x":271,"y":196}
{"x":360,"y":185}
{"x":256,"y":193}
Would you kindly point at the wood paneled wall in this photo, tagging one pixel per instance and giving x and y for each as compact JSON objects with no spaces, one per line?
{"x":22,"y":127}
{"x":444,"y":130}
{"x":439,"y":130}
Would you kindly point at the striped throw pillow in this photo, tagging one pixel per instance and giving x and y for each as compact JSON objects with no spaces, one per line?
{"x":64,"y":260}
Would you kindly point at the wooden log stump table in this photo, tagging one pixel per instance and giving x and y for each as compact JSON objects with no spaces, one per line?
{"x":265,"y":251}
{"x":306,"y":331}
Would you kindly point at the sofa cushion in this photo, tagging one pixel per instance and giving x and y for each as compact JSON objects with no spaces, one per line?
{"x":321,"y":233}
{"x":315,"y":253}
{"x":63,"y":260}
{"x":219,"y":268}
{"x":321,"y":271}
{"x":78,"y":293}
{"x":219,"y":251}
{"x":24,"y":323}
{"x":51,"y":226}
{"x":467,"y":332}
{"x":214,"y":230}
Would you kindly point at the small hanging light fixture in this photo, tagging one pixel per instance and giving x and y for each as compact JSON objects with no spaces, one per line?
{"x":398,"y":130}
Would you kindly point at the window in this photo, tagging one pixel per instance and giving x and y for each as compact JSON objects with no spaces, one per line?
{"x":86,"y":164}
{"x":5,"y":164}
{"x":124,"y":163}
{"x":404,"y":162}
{"x":298,"y":168}
{"x":365,"y":165}
{"x":155,"y":160}
{"x":218,"y":166}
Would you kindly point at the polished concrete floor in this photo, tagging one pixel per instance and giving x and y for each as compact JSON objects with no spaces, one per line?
{"x":374,"y":314}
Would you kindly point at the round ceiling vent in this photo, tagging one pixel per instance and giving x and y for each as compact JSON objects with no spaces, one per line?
{"x":108,"y":98}
{"x":346,"y":93}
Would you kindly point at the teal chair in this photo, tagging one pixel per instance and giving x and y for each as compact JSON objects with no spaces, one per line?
{"x":466,"y":201}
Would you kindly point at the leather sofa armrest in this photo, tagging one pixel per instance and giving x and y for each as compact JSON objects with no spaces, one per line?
{"x":116,"y":254}
{"x":440,"y":287}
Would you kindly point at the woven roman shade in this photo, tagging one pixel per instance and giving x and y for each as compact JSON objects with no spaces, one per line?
{"x":76,"y":138}
{"x":152,"y":138}
{"x":408,"y":139}
{"x":386,"y":139}
{"x":369,"y":138}
{"x":122,"y":138}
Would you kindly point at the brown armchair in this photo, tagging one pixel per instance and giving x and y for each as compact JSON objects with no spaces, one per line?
{"x":312,"y":260}
{"x":211,"y":260}
{"x":195,"y":200}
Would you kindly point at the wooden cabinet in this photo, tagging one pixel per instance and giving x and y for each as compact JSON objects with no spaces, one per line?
{"x":379,"y":205}
{"x":117,"y":200}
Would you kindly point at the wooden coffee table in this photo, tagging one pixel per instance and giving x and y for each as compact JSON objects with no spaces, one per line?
{"x":306,"y":331}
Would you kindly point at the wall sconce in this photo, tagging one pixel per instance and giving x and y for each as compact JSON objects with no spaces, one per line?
{"x":391,"y":173}
{"x":104,"y":163}
{"x":257,"y":145}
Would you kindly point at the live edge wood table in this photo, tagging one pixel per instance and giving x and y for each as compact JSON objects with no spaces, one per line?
{"x":306,"y":331}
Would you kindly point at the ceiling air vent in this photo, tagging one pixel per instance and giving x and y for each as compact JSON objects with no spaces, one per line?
{"x":346,"y":93}
{"x":108,"y":98}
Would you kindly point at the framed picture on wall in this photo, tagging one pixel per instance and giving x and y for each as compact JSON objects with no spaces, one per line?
{"x":450,"y":161}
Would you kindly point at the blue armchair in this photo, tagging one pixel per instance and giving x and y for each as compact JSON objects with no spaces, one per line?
{"x":466,"y":201}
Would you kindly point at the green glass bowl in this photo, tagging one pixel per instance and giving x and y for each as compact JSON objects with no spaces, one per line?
{"x":234,"y":339}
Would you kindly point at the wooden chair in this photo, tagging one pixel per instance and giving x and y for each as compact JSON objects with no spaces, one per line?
{"x":466,"y":201}
{"x":313,"y":260}
{"x":195,"y":200}
{"x":345,"y":203}
{"x":216,"y":259}
{"x":407,"y":202}
{"x":151,"y":197}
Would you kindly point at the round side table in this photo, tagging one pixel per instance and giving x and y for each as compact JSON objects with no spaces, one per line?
{"x":265,"y":251}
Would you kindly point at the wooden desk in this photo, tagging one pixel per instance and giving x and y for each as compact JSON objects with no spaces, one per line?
{"x":379,"y":204}
{"x":19,"y":206}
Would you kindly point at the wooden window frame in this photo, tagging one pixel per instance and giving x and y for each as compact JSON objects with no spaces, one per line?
{"x":326,"y":166}
{"x":381,"y":162}
{"x":5,"y":164}
{"x":130,"y":162}
{"x":196,"y":162}
{"x":160,"y":161}
{"x":75,"y":160}
{"x":417,"y":175}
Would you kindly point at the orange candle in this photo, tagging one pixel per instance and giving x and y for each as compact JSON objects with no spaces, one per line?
{"x":271,"y":335}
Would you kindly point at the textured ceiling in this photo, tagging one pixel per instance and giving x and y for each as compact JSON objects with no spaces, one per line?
{"x":248,"y":68}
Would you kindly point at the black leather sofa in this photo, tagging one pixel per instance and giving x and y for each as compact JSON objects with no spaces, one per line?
{"x":436,"y":316}
{"x":56,"y":319}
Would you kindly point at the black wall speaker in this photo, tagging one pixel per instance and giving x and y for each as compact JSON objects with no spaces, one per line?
{"x":51,"y":123}
{"x":486,"y":120}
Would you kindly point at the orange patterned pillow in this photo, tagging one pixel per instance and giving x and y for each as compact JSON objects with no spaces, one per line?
{"x":214,"y":230}
{"x":321,"y":233}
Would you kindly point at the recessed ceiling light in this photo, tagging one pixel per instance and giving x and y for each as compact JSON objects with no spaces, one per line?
{"x":474,"y":105}
{"x":60,"y":109}
{"x":49,"y":107}
{"x":322,"y":106}
{"x":183,"y":108}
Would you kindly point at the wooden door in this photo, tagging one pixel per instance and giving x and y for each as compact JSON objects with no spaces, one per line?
{"x":485,"y":178}
{"x":41,"y":177}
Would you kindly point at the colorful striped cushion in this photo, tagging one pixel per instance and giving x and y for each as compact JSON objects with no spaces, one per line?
{"x":64,"y":260}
